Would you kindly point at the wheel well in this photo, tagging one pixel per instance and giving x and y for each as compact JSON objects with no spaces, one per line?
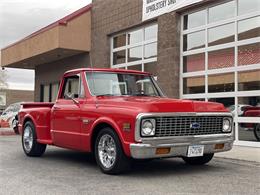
{"x":26,"y":120}
{"x":96,"y":130}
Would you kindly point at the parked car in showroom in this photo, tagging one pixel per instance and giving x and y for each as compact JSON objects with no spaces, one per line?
{"x":9,"y":117}
{"x":253,"y":111}
{"x":123,"y":115}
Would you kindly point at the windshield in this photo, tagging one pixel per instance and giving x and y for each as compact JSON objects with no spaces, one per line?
{"x":118,"y":84}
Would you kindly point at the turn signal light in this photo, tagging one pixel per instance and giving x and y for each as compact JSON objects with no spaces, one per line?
{"x":163,"y":150}
{"x":219,"y":146}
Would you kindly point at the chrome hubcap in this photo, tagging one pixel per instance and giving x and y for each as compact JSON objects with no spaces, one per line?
{"x":27,"y":138}
{"x":13,"y":123}
{"x":107,"y":151}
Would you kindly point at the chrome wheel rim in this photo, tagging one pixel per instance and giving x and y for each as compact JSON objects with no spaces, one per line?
{"x":107,"y":151}
{"x":13,"y":124}
{"x":27,"y":138}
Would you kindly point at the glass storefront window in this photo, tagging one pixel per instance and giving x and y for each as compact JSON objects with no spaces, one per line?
{"x":140,"y":48}
{"x":248,"y":6}
{"x":134,"y":54}
{"x":221,"y":83}
{"x":135,"y":37}
{"x":249,"y":132}
{"x":223,"y":58}
{"x":119,"y":57}
{"x":249,"y":80}
{"x":228,"y":102}
{"x":195,"y":19}
{"x":249,"y":54}
{"x":221,"y":34}
{"x":248,"y":106}
{"x":194,"y":85}
{"x":150,"y":32}
{"x":119,"y":41}
{"x":222,"y":11}
{"x":194,"y":62}
{"x":150,"y":50}
{"x":249,"y":28}
{"x":194,"y":41}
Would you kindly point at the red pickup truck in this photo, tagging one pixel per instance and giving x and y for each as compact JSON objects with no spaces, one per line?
{"x":122,"y":115}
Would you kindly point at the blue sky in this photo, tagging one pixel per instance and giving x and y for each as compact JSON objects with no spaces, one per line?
{"x":19,"y":18}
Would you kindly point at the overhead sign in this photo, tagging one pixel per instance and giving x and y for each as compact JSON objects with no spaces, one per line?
{"x":154,"y":8}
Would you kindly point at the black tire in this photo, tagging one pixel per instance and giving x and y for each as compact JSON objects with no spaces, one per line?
{"x":15,"y":128}
{"x":201,"y":160}
{"x":121,"y":163}
{"x":257,"y":132}
{"x":36,"y":149}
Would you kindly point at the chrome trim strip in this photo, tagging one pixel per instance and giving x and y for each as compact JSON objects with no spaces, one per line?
{"x":139,"y":117}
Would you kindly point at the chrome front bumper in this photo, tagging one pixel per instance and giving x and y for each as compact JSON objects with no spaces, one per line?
{"x":179,"y":145}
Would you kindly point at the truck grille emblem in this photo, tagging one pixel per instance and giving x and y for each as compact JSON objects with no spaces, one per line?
{"x":194,"y":125}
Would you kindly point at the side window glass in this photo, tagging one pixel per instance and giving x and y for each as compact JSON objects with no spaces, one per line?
{"x":73,"y":87}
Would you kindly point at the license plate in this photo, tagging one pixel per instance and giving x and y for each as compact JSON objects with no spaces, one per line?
{"x":195,"y":150}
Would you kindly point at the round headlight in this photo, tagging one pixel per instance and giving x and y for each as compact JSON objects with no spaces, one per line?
{"x":148,"y":127}
{"x":226,"y":125}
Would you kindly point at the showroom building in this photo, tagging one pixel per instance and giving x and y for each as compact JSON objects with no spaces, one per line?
{"x":197,"y":49}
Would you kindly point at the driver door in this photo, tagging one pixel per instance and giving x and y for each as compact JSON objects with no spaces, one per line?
{"x":66,"y":114}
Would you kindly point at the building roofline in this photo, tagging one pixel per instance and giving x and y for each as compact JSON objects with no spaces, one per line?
{"x":61,"y":22}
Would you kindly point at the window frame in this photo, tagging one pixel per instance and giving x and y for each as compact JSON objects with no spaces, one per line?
{"x":235,"y":69}
{"x":143,"y":43}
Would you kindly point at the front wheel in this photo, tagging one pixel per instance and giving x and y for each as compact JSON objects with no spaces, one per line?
{"x":109,"y":153}
{"x":29,"y":141}
{"x":257,"y":132}
{"x":201,"y":160}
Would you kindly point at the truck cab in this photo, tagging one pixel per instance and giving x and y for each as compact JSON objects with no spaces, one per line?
{"x":121,"y":115}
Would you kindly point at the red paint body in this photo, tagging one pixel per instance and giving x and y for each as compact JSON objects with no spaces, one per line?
{"x":60,"y":123}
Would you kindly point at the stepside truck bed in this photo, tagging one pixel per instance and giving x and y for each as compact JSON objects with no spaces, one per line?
{"x":40,"y":114}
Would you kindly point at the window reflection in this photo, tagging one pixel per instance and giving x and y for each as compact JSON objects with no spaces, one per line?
{"x":194,"y":63}
{"x":249,"y":28}
{"x":135,"y":37}
{"x":249,"y":131}
{"x":221,"y":34}
{"x":194,"y":85}
{"x":221,"y":58}
{"x":249,"y":54}
{"x":195,"y":19}
{"x":222,"y":11}
{"x":150,"y":32}
{"x":248,"y":6}
{"x":119,"y":57}
{"x":194,"y":41}
{"x":221,"y":83}
{"x":150,"y":50}
{"x":135,"y":54}
{"x":249,"y":80}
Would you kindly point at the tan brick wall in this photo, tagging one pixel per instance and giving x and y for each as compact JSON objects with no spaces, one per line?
{"x":13,"y":96}
{"x":112,"y":16}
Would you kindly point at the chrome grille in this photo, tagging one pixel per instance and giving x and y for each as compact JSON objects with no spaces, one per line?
{"x":181,"y":125}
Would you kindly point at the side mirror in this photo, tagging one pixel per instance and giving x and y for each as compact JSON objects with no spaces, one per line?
{"x":70,"y":96}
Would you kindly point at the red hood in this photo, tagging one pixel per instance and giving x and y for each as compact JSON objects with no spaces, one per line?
{"x":155,"y":104}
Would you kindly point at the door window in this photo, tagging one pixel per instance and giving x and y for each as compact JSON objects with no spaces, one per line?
{"x":73,"y":87}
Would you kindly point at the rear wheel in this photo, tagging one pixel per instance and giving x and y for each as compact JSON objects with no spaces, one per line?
{"x":14,"y":126}
{"x":29,"y":141}
{"x":109,"y":153}
{"x":257,"y":132}
{"x":201,"y":160}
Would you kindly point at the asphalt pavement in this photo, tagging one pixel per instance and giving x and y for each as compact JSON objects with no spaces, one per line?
{"x":62,"y":171}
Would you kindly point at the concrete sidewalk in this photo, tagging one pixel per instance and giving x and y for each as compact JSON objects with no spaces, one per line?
{"x":241,"y":153}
